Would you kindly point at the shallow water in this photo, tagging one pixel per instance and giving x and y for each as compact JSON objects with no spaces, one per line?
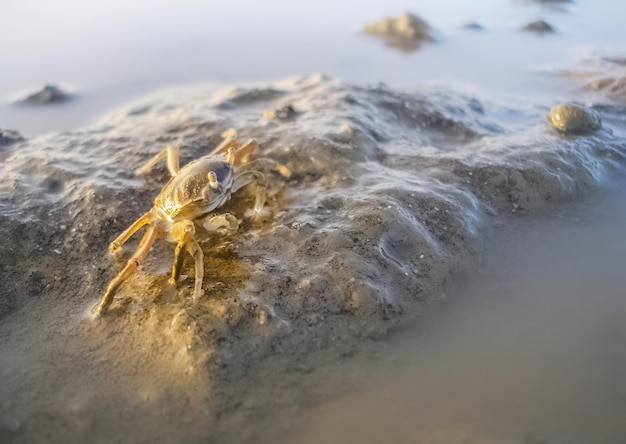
{"x":531,"y":349}
{"x":395,"y":190}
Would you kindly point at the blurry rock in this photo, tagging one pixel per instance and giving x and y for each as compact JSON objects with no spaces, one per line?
{"x":618,"y":61}
{"x":7,"y":137}
{"x":540,"y":27}
{"x":606,"y":74}
{"x":285,"y":112}
{"x":406,"y":32}
{"x":574,"y":119}
{"x":49,"y":94}
{"x":473,"y":26}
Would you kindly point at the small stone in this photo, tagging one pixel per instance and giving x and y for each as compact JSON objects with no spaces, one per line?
{"x":540,"y":27}
{"x":574,"y":119}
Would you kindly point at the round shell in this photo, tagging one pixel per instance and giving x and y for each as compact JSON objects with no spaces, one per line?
{"x":574,"y":119}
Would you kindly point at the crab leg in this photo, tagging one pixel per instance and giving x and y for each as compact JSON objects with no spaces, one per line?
{"x":194,"y":250}
{"x":179,"y":233}
{"x":248,"y":177}
{"x":252,"y":172}
{"x":230,"y":140}
{"x":245,"y":151}
{"x":147,"y":218}
{"x":171,"y":153}
{"x":131,"y":266}
{"x":178,"y":262}
{"x":183,"y":232}
{"x":213,"y":223}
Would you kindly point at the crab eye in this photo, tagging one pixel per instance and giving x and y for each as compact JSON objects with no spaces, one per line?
{"x":213,"y":183}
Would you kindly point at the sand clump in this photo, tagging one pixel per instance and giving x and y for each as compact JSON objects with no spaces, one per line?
{"x":406,"y":32}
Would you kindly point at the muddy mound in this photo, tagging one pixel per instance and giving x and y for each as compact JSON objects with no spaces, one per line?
{"x":390,"y":193}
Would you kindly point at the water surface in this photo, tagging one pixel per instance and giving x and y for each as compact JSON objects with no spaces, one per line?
{"x":530,"y":349}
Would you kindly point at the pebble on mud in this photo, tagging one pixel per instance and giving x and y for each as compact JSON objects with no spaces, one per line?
{"x":574,"y":119}
{"x":49,"y":94}
{"x":540,"y":27}
{"x":283,"y":113}
{"x":406,"y":32}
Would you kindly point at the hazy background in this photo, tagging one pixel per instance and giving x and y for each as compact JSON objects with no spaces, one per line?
{"x":108,"y":52}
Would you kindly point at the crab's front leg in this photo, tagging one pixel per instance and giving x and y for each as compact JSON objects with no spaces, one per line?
{"x":147,"y":218}
{"x":184,"y":234}
{"x":256,"y":171}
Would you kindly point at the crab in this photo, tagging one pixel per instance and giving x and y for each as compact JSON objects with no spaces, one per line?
{"x":190,"y":199}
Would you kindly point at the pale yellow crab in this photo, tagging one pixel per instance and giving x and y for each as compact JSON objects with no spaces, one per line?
{"x":190,"y":198}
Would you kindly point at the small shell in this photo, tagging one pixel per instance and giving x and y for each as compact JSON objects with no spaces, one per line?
{"x":574,"y":119}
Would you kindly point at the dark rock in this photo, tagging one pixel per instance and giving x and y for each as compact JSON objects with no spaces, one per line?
{"x":49,"y":94}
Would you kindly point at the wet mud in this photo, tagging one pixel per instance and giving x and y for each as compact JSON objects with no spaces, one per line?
{"x":391,"y":193}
